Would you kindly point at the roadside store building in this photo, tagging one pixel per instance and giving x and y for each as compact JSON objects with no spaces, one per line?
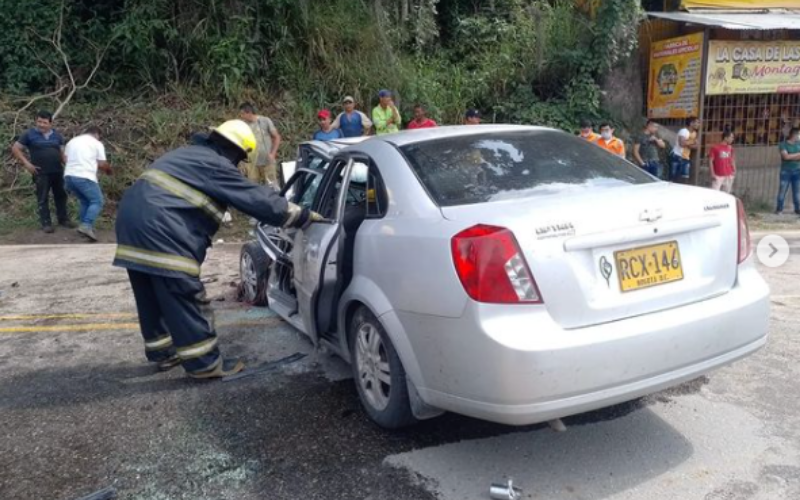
{"x":728,"y":62}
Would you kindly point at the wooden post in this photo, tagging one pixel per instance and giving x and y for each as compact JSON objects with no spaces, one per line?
{"x":698,"y":156}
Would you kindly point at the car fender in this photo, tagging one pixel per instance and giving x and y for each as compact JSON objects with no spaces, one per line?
{"x":365,"y":291}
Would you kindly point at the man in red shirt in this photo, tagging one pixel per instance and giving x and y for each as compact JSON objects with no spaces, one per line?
{"x":421,"y":119}
{"x":723,"y":163}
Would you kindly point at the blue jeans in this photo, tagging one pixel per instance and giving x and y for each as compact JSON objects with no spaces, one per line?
{"x":653,"y":167}
{"x":89,"y":196}
{"x":679,"y":167}
{"x":789,"y":177}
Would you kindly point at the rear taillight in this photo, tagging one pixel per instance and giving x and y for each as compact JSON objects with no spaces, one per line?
{"x":492,"y":268}
{"x":743,"y":232}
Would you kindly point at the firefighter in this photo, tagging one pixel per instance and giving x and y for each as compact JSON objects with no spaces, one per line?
{"x":165,"y":223}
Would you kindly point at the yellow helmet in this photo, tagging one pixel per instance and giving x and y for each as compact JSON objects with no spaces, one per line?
{"x":238,"y":133}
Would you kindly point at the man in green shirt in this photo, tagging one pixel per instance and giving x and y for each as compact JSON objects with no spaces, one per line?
{"x":790,"y":170}
{"x":385,"y":116}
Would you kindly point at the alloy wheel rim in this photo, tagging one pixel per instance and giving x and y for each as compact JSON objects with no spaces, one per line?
{"x":372,"y":363}
{"x":249,"y":278}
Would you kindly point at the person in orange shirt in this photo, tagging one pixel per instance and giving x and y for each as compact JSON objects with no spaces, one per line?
{"x":587,"y":131}
{"x":610,"y":143}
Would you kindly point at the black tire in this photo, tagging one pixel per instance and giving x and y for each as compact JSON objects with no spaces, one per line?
{"x":396,"y":413}
{"x":254,"y":265}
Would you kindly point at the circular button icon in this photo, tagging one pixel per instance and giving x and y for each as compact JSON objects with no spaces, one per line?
{"x":772,"y":250}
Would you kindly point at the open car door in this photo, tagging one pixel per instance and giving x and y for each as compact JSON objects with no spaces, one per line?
{"x":316,"y":249}
{"x":278,"y":243}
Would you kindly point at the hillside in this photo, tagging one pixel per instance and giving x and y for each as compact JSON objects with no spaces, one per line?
{"x":151,"y":72}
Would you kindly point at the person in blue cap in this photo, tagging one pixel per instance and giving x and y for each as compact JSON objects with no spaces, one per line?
{"x":385,"y":116}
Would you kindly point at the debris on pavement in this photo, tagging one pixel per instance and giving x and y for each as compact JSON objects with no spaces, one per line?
{"x":104,"y":494}
{"x":208,"y":280}
{"x":15,"y":284}
{"x":266,"y":367}
{"x":508,"y":491}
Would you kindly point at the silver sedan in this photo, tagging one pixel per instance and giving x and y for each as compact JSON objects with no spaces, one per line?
{"x":513,"y":274}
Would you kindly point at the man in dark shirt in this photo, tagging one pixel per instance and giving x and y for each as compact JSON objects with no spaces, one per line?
{"x":46,"y":149}
{"x":646,"y":148}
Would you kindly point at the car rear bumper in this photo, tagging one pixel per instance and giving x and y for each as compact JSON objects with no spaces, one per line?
{"x":514,"y":365}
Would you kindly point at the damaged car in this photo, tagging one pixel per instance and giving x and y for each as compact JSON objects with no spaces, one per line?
{"x":510,"y":273}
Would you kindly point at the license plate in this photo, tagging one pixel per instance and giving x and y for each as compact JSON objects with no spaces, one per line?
{"x":648,"y":266}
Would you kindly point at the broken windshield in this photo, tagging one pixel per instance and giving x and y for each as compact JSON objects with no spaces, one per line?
{"x":510,"y":165}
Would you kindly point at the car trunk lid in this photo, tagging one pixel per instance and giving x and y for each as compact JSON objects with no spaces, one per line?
{"x":604,"y":254}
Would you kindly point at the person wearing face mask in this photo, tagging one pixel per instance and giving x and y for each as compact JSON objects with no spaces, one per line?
{"x":610,"y":143}
{"x":722,"y":163}
{"x":587,"y":131}
{"x":790,"y":170}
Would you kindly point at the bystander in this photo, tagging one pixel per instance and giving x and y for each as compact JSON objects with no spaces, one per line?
{"x":722,"y":163}
{"x":261,"y":167}
{"x":646,"y":148}
{"x":46,"y":163}
{"x":84,"y":155}
{"x":790,"y":170}
{"x":351,"y":122}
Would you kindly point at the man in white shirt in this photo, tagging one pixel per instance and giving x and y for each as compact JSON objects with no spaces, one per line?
{"x":681,"y":157}
{"x":84,"y":155}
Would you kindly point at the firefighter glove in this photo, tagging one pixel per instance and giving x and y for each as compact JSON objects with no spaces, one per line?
{"x":299,"y":217}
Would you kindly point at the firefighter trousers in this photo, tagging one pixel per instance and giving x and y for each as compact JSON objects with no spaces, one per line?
{"x":175,"y":317}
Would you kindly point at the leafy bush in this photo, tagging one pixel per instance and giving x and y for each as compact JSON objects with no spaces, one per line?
{"x":524,"y":61}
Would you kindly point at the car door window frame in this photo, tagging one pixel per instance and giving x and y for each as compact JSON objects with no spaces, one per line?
{"x":300,"y":174}
{"x":339,"y":163}
{"x":373,"y":175}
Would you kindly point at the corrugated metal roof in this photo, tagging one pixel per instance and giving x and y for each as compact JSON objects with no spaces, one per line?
{"x":770,"y":20}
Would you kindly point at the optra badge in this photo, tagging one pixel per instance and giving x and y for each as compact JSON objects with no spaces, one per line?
{"x":555,"y":230}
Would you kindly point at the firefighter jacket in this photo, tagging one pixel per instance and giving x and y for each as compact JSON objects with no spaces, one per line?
{"x":166,"y":220}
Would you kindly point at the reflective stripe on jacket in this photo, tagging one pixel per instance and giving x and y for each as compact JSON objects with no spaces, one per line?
{"x":166,"y":219}
{"x":189,"y":194}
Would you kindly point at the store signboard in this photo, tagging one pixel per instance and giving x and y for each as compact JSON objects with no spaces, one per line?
{"x":673,"y":89}
{"x":753,"y":67}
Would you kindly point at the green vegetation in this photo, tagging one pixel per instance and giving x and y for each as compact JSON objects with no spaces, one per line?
{"x":166,"y":68}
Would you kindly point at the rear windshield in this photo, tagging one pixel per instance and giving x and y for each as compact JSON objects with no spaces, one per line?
{"x":510,"y":165}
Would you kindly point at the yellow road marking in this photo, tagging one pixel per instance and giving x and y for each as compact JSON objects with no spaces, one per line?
{"x":23,"y":317}
{"x":103,"y":326}
{"x":70,"y":328}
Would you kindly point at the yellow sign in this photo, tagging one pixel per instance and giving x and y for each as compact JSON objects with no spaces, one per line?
{"x":673,"y":89}
{"x":753,"y":67}
{"x":740,"y":4}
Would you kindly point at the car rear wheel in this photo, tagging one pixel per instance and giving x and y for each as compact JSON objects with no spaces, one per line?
{"x":254,"y":266}
{"x":379,"y":375}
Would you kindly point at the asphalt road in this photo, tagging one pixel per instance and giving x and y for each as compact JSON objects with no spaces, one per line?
{"x":80,"y":411}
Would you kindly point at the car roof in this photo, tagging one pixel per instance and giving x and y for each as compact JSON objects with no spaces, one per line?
{"x":426,"y":134}
{"x":331,"y":147}
{"x":405,"y":137}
